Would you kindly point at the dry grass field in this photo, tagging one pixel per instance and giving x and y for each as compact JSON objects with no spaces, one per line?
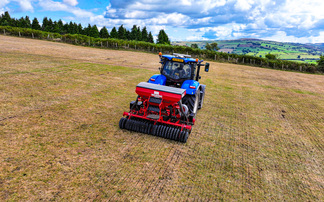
{"x":259,"y":136}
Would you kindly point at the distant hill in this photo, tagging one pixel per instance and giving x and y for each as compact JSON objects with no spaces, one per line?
{"x":308,"y":53}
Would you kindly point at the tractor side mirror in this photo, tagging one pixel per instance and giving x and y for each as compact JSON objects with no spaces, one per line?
{"x":206,"y":67}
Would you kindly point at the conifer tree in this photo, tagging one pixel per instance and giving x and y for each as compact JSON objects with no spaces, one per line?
{"x":1,"y":19}
{"x":22,"y":23}
{"x":144,"y":34}
{"x":70,"y":28}
{"x":114,"y":33}
{"x":163,"y":38}
{"x":65,"y":28}
{"x":94,"y":31}
{"x":121,"y":32}
{"x":127,"y":36}
{"x":150,"y":38}
{"x":133,"y":33}
{"x":35,"y":24}
{"x":87,"y":30}
{"x":60,"y":26}
{"x":27,"y":20}
{"x":80,"y":29}
{"x":75,"y":28}
{"x":46,"y":24}
{"x":49,"y":27}
{"x":139,"y":34}
{"x":104,"y":33}
{"x":56,"y":27}
{"x":6,"y":19}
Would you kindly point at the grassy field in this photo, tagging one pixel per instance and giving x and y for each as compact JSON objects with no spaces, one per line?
{"x":258,"y":137}
{"x":259,"y":48}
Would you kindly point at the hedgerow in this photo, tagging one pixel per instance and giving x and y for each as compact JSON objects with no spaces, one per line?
{"x":84,"y":40}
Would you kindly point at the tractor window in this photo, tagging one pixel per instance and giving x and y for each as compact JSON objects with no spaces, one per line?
{"x":177,"y":70}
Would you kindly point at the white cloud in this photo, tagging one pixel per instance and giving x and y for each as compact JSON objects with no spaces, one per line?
{"x":227,"y":31}
{"x":237,"y":27}
{"x":50,"y":5}
{"x":180,"y":6}
{"x":71,"y":2}
{"x":174,"y":19}
{"x":186,"y":2}
{"x":197,"y":19}
{"x":208,"y":5}
{"x":3,"y":3}
{"x":80,"y":13}
{"x":282,"y":36}
{"x":143,"y":6}
{"x":137,"y":14}
{"x":238,"y":35}
{"x":155,"y":29}
{"x":298,"y":14}
{"x":110,"y":12}
{"x":194,"y":37}
{"x":25,"y":5}
{"x":243,"y":5}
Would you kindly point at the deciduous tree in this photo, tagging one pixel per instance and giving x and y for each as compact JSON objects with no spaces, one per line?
{"x":270,"y":56}
{"x":214,"y":46}
{"x":320,"y":63}
{"x":194,"y":45}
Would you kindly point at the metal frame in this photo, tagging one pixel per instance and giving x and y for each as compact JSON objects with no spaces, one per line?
{"x":170,"y":105}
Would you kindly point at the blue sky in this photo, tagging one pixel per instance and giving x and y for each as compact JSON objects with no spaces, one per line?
{"x":280,"y":20}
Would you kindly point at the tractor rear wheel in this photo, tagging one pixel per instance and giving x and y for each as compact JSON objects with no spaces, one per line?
{"x":192,"y":102}
{"x":202,"y":95}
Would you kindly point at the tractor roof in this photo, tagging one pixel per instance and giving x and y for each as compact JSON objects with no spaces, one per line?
{"x":181,"y":58}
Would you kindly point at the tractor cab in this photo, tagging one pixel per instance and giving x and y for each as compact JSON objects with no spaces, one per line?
{"x":177,"y":71}
{"x":178,"y":68}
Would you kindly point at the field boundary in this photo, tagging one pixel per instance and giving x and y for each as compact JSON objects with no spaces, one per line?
{"x":112,"y":43}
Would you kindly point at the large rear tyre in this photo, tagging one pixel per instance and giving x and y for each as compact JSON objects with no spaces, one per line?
{"x":202,"y":95}
{"x":192,"y":102}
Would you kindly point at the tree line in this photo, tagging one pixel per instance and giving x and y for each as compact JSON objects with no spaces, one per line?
{"x":211,"y":47}
{"x":113,"y":41}
{"x":48,"y":25}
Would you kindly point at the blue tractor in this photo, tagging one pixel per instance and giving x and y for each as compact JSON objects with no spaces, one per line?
{"x":182,"y":71}
{"x":167,"y":104}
